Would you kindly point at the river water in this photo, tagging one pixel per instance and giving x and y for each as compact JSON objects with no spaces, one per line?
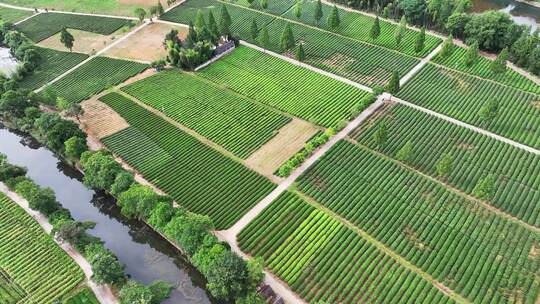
{"x":8,"y":64}
{"x":522,"y":13}
{"x":145,"y":253}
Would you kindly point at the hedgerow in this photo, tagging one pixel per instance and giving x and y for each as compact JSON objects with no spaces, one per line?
{"x":199,"y":178}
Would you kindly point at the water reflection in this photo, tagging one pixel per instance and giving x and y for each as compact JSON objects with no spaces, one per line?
{"x":8,"y":64}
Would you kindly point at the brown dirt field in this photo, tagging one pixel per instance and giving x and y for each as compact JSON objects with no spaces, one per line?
{"x":85,"y":42}
{"x":146,"y":44}
{"x":290,"y":139}
{"x":146,"y":73}
{"x":100,"y":120}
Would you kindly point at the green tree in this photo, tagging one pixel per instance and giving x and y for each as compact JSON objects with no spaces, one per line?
{"x":420,"y":40}
{"x":400,"y":30}
{"x":200,"y":23}
{"x":264,"y":38}
{"x":405,"y":154}
{"x":159,"y":9}
{"x":333,"y":19}
{"x":13,"y":103}
{"x":498,"y":66}
{"x":70,"y":231}
{"x":456,"y":24}
{"x":318,"y":13}
{"x":227,"y":277}
{"x":212,"y":25}
{"x":447,"y":47}
{"x":161,"y":215}
{"x":67,"y":39}
{"x":122,"y":182}
{"x":298,"y":9}
{"x":100,"y":169}
{"x":106,"y":268}
{"x":135,"y":293}
{"x":62,"y":103}
{"x":189,"y":231}
{"x":445,"y":165}
{"x":489,"y":111}
{"x":490,"y":29}
{"x":74,"y":147}
{"x":60,"y":132}
{"x":485,"y":188}
{"x":286,"y":41}
{"x":264,"y":4}
{"x":393,"y":85}
{"x":472,"y":54}
{"x":413,"y":9}
{"x":254,"y":29}
{"x":375,"y":29}
{"x":380,"y":136}
{"x":42,"y":200}
{"x":255,"y":269}
{"x":137,"y":202}
{"x":300,"y":54}
{"x":225,"y":21}
{"x":140,"y":13}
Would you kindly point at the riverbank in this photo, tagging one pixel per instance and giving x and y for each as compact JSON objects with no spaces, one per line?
{"x":532,"y":3}
{"x":103,"y":293}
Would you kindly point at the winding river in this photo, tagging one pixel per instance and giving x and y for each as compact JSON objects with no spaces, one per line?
{"x":145,"y":253}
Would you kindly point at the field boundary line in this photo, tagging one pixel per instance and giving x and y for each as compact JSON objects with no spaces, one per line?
{"x":307,"y":66}
{"x":451,"y":188}
{"x":117,"y":41}
{"x":419,"y":66}
{"x":382,"y":247}
{"x":102,"y":292}
{"x":318,"y":28}
{"x":27,"y":18}
{"x":468,"y":126}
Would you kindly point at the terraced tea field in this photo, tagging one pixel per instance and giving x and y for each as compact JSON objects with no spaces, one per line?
{"x":479,"y":254}
{"x":45,"y":25}
{"x":323,"y":260}
{"x":13,"y":15}
{"x":475,"y":156}
{"x":230,"y":120}
{"x":51,"y":65}
{"x":94,"y":76}
{"x":350,"y":58}
{"x":196,"y":176}
{"x":33,"y":269}
{"x":287,"y":87}
{"x":481,"y":68}
{"x":462,"y":96}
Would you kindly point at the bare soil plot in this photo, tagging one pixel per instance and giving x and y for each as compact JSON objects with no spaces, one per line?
{"x":146,"y":44}
{"x":100,"y":120}
{"x":290,"y":139}
{"x":85,"y":42}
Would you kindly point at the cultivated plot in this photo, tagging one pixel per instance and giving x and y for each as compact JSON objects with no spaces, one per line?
{"x":475,"y":157}
{"x":33,"y":269}
{"x":464,"y":97}
{"x":198,"y":177}
{"x":13,"y":15}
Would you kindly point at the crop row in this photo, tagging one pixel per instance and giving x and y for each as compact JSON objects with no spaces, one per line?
{"x":10,"y":292}
{"x":94,"y":76}
{"x":322,"y":260}
{"x":285,"y":86}
{"x":84,"y":296}
{"x":46,"y":25}
{"x":52,"y":64}
{"x":475,"y":156}
{"x":463,"y":96}
{"x":482,"y":69}
{"x":350,"y":58}
{"x":479,"y":254}
{"x":195,"y":175}
{"x":230,"y":120}
{"x":31,"y":258}
{"x":13,"y":15}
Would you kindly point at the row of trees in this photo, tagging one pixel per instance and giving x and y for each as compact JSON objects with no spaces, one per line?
{"x":23,"y":50}
{"x":491,"y":31}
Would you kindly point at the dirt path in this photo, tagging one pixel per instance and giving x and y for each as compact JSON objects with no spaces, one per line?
{"x":103,"y":293}
{"x":419,"y":66}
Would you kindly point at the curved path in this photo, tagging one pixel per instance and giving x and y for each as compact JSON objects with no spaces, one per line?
{"x":103,"y":293}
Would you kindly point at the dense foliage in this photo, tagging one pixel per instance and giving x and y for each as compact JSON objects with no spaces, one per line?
{"x":475,"y":156}
{"x":198,"y":177}
{"x":227,"y":119}
{"x":298,"y":240}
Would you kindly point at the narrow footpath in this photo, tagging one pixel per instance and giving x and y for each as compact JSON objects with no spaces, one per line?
{"x":103,"y":292}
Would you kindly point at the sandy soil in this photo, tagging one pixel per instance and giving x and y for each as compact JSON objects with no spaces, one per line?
{"x":146,"y":44}
{"x":85,"y":42}
{"x":290,"y":139}
{"x":100,"y":120}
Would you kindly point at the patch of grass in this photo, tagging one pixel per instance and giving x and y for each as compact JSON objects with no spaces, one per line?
{"x":13,"y":15}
